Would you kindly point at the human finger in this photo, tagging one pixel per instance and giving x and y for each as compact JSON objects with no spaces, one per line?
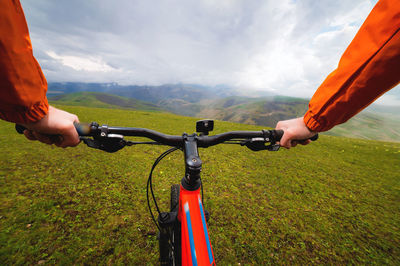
{"x":305,"y":142}
{"x":70,"y":136}
{"x":293,"y":143}
{"x":29,"y":135}
{"x":43,"y":138}
{"x":286,"y":141}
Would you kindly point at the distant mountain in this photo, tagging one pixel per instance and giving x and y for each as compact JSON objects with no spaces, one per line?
{"x":265,"y":111}
{"x":183,"y":99}
{"x":376,"y":122}
{"x":188,"y":92}
{"x":103,"y":100}
{"x":391,"y":110}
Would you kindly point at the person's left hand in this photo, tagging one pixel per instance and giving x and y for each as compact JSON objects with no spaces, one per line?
{"x":56,"y":127}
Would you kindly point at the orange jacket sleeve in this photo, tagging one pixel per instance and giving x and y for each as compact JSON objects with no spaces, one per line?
{"x":369,"y":67}
{"x":22,"y":84}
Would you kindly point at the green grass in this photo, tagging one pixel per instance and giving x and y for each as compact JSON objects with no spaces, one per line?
{"x":336,"y":201}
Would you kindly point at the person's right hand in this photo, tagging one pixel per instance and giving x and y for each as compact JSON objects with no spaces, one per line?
{"x":294,"y":130}
{"x":55,"y":123}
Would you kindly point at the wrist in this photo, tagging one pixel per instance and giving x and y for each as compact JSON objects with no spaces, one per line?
{"x":311,"y":123}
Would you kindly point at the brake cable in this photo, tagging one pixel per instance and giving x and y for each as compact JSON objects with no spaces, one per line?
{"x":150,"y":184}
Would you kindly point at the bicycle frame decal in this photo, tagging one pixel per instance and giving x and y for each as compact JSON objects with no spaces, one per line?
{"x":196,"y":247}
{"x":203,"y":220}
{"x":190,"y":232}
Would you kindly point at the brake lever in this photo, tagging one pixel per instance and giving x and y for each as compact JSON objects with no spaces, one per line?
{"x":258,"y":144}
{"x":109,"y":143}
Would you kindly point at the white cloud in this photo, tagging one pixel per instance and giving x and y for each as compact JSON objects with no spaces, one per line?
{"x":355,"y":15}
{"x":286,"y":46}
{"x":91,"y":64}
{"x":389,"y":99}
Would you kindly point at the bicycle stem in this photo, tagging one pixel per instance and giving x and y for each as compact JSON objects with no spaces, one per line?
{"x":193,"y":163}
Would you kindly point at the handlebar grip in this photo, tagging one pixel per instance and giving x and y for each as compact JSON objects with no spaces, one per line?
{"x":278,"y":133}
{"x":55,"y":138}
{"x":314,"y":138}
{"x":80,"y":128}
{"x":20,"y":128}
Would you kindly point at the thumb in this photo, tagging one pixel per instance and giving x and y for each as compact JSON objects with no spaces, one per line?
{"x":285,"y":140}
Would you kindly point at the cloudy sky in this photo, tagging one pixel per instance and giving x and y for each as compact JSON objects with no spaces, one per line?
{"x":287,"y":46}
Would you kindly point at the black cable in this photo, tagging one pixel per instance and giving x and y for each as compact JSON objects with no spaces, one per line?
{"x":131,"y":143}
{"x":148,"y":205}
{"x":149,"y":184}
{"x":231,"y":142}
{"x":162,"y":156}
{"x":202,"y":193}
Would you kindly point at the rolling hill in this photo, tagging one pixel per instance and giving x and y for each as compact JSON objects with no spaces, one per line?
{"x":188,"y":92}
{"x":376,"y":122}
{"x":255,"y":111}
{"x":265,"y":111}
{"x":370,"y":125}
{"x":104,"y":100}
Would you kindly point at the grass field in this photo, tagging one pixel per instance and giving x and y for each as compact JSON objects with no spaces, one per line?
{"x":336,"y":201}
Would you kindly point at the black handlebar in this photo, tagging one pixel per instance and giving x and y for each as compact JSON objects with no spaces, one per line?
{"x":97,"y":131}
{"x":111,"y":139}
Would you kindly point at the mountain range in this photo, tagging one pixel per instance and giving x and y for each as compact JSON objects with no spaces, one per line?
{"x":222,"y":103}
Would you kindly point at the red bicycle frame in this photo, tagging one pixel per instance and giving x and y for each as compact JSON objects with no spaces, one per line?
{"x":196,"y":247}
